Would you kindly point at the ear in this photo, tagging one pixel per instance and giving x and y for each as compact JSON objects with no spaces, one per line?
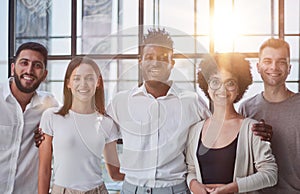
{"x":257,"y":67}
{"x":99,"y":82}
{"x":290,"y":67}
{"x":45,"y":74}
{"x":173,"y":63}
{"x":140,"y":61}
{"x":12,"y":69}
{"x":68,"y":83}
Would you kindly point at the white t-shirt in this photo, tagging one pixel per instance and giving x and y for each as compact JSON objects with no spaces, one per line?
{"x":78,"y":142}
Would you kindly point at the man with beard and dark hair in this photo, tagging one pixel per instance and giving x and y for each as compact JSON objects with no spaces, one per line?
{"x":22,"y":106}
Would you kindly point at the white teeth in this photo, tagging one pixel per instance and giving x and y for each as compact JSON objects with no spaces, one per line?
{"x":274,"y":74}
{"x":154,"y":70}
{"x":83,"y":91}
{"x":222,"y":96}
{"x":27,"y":78}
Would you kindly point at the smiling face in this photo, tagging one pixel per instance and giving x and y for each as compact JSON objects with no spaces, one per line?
{"x":83,"y":83}
{"x":28,"y":71}
{"x":274,"y":66}
{"x":156,"y":63}
{"x":223,"y":88}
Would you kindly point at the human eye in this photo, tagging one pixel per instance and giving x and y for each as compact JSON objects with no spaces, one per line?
{"x":282,"y":62}
{"x":90,"y":78}
{"x":23,"y":62}
{"x":149,"y":57}
{"x":230,"y":83}
{"x":38,"y":65}
{"x":76,"y":78}
{"x":164,"y":58}
{"x":267,"y":61}
{"x":214,"y":83}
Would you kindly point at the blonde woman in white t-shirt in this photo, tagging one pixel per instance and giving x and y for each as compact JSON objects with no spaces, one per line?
{"x":77,"y":134}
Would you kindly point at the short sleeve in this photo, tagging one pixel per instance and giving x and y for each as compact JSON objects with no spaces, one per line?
{"x":46,"y":123}
{"x":110,"y":129}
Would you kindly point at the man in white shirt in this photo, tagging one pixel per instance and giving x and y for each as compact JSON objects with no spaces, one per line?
{"x":154,"y":121}
{"x":22,"y":106}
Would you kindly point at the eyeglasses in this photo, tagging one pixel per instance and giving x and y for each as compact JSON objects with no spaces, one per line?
{"x":216,"y":84}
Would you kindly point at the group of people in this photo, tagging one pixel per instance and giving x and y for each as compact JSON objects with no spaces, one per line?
{"x":172,"y":143}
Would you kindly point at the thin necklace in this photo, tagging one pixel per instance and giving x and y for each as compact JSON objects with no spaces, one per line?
{"x":82,"y":139}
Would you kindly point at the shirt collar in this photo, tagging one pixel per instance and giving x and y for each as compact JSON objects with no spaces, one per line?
{"x":173,"y":91}
{"x":35,"y":100}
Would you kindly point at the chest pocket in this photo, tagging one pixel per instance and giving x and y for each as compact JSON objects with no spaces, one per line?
{"x":6,"y":137}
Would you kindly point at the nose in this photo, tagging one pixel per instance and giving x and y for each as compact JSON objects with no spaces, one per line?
{"x":83,"y":82}
{"x":273,"y":65}
{"x":222,"y":88}
{"x":29,"y":68}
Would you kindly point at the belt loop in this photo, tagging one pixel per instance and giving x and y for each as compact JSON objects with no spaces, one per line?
{"x":63,"y":190}
{"x":172,"y":190}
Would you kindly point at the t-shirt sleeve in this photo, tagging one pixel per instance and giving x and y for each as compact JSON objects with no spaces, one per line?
{"x":46,"y":123}
{"x":111,"y":130}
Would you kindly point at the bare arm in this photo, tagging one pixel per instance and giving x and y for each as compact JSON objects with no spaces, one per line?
{"x":45,"y":157}
{"x":112,"y":161}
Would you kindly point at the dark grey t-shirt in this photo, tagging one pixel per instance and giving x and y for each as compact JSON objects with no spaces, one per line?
{"x":285,"y":120}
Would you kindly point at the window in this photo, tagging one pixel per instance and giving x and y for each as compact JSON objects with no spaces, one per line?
{"x":109,"y":31}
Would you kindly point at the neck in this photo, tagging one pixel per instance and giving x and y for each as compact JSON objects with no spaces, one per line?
{"x":22,"y":98}
{"x":277,"y":94}
{"x":156,"y":88}
{"x":82,"y":107}
{"x":225,"y":113}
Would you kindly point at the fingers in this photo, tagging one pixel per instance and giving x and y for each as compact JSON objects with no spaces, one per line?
{"x":263,"y":130}
{"x":38,"y":137}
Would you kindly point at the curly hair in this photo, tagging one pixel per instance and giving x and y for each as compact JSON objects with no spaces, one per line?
{"x":158,"y":37}
{"x":233,"y":63}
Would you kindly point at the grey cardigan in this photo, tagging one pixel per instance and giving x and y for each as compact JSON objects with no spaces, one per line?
{"x":255,"y":166}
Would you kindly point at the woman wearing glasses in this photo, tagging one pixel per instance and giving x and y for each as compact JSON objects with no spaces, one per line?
{"x":223,"y":154}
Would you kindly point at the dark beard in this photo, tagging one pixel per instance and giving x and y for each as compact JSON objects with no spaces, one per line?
{"x":22,"y":88}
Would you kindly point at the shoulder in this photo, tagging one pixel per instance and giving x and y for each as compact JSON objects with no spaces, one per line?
{"x":47,"y":98}
{"x":196,"y":129}
{"x":50,"y":111}
{"x":254,"y":99}
{"x":123,"y":94}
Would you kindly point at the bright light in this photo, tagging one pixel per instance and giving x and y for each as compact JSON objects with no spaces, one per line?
{"x":225,"y":27}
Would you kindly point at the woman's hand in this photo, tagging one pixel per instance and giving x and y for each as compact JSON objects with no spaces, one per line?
{"x":223,"y":189}
{"x":197,"y":188}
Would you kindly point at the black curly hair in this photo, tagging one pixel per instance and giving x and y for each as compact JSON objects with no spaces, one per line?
{"x":158,"y":37}
{"x":234,"y":63}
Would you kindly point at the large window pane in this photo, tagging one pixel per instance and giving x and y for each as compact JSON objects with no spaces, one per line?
{"x":291,"y":16}
{"x":254,"y":17}
{"x":203,"y":19}
{"x":178,"y":15}
{"x":61,"y":11}
{"x":32,"y":21}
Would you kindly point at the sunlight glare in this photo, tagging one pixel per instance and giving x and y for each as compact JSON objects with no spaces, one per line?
{"x":225,"y":29}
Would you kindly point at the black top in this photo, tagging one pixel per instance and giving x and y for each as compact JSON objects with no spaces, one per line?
{"x":217,"y":164}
